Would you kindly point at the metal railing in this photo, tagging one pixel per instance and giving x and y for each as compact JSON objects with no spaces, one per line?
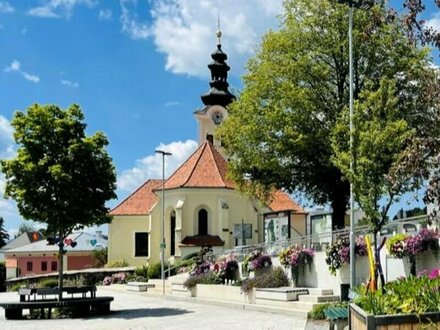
{"x":319,"y":242}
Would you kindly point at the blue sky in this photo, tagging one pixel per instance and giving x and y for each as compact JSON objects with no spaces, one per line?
{"x":137,"y":68}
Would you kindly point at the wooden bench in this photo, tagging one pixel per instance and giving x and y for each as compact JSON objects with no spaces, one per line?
{"x":138,"y":286}
{"x":47,"y":298}
{"x":337,"y":316}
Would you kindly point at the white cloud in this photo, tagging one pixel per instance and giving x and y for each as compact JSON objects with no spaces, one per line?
{"x":130,"y":23}
{"x":59,"y":8}
{"x":105,"y":15}
{"x":6,"y":139}
{"x":150,"y":167}
{"x":184,"y":30}
{"x":69,"y":83}
{"x":6,"y":7}
{"x":15,"y":66}
{"x":434,"y":22}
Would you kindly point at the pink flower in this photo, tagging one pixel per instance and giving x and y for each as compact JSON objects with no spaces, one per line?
{"x":435,"y":273}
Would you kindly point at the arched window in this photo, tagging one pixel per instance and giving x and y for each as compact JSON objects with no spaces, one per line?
{"x":203,"y":222}
{"x":172,"y":234}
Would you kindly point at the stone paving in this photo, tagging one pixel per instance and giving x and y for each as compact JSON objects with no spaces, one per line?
{"x":142,"y":311}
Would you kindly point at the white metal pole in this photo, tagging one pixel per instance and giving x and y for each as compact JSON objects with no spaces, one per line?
{"x":352,"y":238}
{"x":162,"y":240}
{"x":162,"y":245}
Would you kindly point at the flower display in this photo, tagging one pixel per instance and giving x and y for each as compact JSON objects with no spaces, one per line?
{"x":338,"y":253}
{"x":406,"y":295}
{"x":202,"y":268}
{"x":435,"y":273}
{"x":257,"y":260}
{"x":396,"y":245}
{"x":225,"y":267}
{"x":402,"y":245}
{"x":296,"y":257}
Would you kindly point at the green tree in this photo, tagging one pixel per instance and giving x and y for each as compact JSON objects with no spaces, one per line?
{"x":4,"y":235}
{"x":279,"y":130}
{"x":382,"y":137}
{"x":60,"y":176}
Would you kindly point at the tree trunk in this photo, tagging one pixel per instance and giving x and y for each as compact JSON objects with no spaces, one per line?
{"x":60,"y":265}
{"x":339,"y":207}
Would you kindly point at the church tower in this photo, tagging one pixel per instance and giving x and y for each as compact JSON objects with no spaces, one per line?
{"x":216,"y":98}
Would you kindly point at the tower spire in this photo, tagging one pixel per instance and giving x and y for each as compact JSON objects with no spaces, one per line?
{"x":218,"y":93}
{"x":219,"y":32}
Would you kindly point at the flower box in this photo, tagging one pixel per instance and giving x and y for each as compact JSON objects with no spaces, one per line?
{"x":360,"y":320}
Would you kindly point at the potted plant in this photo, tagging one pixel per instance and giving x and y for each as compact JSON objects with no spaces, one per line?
{"x":413,"y":246}
{"x":296,"y":258}
{"x":338,"y":253}
{"x":403,"y":303}
{"x":257,"y":262}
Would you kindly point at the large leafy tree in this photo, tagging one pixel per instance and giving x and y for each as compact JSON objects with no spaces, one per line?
{"x":279,"y":130}
{"x":60,"y":176}
{"x":4,"y":235}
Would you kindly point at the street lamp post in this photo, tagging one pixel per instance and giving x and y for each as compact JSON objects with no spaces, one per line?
{"x":162,"y":241}
{"x":351,"y":5}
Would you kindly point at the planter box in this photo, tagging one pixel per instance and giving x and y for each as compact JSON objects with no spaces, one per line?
{"x":224,"y":293}
{"x":360,"y":320}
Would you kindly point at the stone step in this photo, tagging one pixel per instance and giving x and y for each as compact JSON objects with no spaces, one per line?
{"x":279,"y":294}
{"x":320,"y":291}
{"x":317,"y":298}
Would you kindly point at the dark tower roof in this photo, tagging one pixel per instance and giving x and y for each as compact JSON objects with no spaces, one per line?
{"x":218,"y":94}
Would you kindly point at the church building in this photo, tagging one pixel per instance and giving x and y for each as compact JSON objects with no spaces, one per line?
{"x":201,"y":207}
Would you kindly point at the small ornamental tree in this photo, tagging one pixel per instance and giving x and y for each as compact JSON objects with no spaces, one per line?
{"x":4,"y":235}
{"x":383,"y":138}
{"x":60,"y":176}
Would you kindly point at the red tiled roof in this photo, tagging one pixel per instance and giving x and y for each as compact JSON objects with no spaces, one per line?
{"x":140,"y":201}
{"x":282,"y":202}
{"x":205,"y":168}
{"x":203,"y":240}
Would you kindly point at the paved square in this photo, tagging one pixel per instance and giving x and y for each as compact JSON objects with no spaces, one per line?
{"x":142,"y":311}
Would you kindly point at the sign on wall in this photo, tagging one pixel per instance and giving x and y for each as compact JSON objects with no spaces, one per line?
{"x":276,"y":227}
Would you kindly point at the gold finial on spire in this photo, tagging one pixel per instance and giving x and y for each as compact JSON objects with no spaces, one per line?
{"x":218,"y":33}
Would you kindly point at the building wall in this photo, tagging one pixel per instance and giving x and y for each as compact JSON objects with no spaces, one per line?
{"x":36,"y":264}
{"x":299,"y":223}
{"x":17,"y":264}
{"x":121,"y":243}
{"x":80,"y":262}
{"x":225,"y":208}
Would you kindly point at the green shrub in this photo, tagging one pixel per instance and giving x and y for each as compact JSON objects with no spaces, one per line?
{"x":184,"y":266}
{"x":16,"y":287}
{"x":154,"y":270}
{"x":48,"y":283}
{"x":141,"y":271}
{"x":100,"y":256}
{"x":411,"y":295}
{"x":117,"y":264}
{"x":317,"y":313}
{"x":206,"y":278}
{"x":276,"y":278}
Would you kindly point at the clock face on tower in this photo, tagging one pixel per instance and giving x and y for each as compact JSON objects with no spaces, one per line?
{"x":217,"y":117}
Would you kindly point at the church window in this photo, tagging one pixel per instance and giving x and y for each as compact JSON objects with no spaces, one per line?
{"x":203,"y":222}
{"x":141,"y":245}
